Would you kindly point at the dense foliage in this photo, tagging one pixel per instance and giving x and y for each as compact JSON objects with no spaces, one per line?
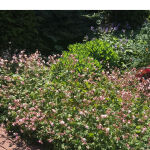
{"x":18,"y":30}
{"x":48,"y":31}
{"x":52,"y":31}
{"x":133,"y":17}
{"x":99,"y":50}
{"x":87,"y":108}
{"x":89,"y":97}
{"x":132,"y":46}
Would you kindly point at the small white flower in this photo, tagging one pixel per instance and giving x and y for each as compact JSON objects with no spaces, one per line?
{"x":107,"y":130}
{"x":86,"y":126}
{"x":129,"y":111}
{"x":53,"y":110}
{"x":62,"y":122}
{"x":81,"y":113}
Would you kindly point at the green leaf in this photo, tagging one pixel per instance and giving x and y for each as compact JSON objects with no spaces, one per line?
{"x":91,"y":134}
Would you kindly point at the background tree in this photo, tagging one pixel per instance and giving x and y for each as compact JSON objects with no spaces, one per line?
{"x":18,"y":30}
{"x":48,"y":31}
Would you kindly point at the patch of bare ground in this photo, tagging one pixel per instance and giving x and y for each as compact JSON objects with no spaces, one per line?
{"x":7,"y":142}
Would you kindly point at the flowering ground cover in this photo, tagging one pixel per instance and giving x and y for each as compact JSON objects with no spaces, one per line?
{"x":69,"y":102}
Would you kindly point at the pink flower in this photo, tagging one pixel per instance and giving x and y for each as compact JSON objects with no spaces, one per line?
{"x":129,"y":121}
{"x":129,"y":111}
{"x":40,"y":142}
{"x":144,"y":129}
{"x":104,"y":116}
{"x":62,"y":122}
{"x":101,"y":98}
{"x":107,"y":130}
{"x":33,"y":128}
{"x":118,"y":138}
{"x":13,"y":123}
{"x":128,"y":146}
{"x":123,"y":120}
{"x":52,"y":124}
{"x":86,"y":126}
{"x":50,"y":140}
{"x":22,"y":82}
{"x":145,"y":117}
{"x":83,"y":140}
{"x":53,"y":110}
{"x":99,"y":126}
{"x":81,"y":113}
{"x":15,"y":134}
{"x":21,"y":131}
{"x":17,"y":137}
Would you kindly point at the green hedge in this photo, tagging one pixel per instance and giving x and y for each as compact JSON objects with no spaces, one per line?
{"x":100,"y":50}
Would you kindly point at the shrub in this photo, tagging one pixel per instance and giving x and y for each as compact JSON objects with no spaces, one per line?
{"x":49,"y":31}
{"x":18,"y":29}
{"x":131,"y":46}
{"x":73,"y":109}
{"x":142,"y":41}
{"x":99,"y":50}
{"x":70,"y":61}
{"x":134,"y":17}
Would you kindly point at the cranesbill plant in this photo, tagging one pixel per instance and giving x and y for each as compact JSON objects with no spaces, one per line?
{"x":74,"y":107}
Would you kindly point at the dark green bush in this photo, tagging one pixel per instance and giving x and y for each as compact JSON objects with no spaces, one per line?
{"x":18,"y":30}
{"x":134,"y":18}
{"x":99,"y":50}
{"x":48,"y":31}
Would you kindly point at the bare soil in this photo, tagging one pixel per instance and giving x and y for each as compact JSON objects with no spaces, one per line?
{"x":7,"y":142}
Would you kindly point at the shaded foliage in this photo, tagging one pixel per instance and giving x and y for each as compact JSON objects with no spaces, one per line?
{"x":48,"y":31}
{"x":18,"y":30}
{"x":51,"y":31}
{"x":60,"y":28}
{"x":133,"y":17}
